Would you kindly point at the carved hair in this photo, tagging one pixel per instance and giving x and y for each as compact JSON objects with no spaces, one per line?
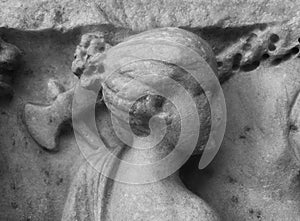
{"x":134,"y":80}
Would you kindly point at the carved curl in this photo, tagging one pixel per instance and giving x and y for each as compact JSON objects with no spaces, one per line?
{"x":148,"y":106}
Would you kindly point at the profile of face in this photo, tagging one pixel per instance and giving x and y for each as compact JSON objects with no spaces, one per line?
{"x":260,"y":152}
{"x":153,"y":103}
{"x":151,"y":111}
{"x":144,"y":95}
{"x":154,"y":100}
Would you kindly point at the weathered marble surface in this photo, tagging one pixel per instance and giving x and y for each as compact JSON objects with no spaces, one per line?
{"x":255,"y":174}
{"x":93,"y":196}
{"x":141,"y":15}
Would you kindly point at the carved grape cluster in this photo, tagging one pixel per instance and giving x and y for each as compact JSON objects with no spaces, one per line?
{"x":91,"y":44}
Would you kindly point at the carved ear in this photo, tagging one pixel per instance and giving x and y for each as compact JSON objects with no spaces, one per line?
{"x":294,"y":126}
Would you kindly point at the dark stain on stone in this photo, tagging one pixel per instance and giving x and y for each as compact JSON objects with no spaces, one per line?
{"x":59,"y":181}
{"x":58,"y":18}
{"x":46,"y":181}
{"x":251,"y":66}
{"x":274,"y":38}
{"x":265,"y":56}
{"x":231,"y":179}
{"x":13,"y":186}
{"x":276,"y":61}
{"x":242,"y":137}
{"x":1,"y":170}
{"x":262,"y":26}
{"x":293,"y":127}
{"x":47,"y":173}
{"x":14,"y":205}
{"x":236,"y":61}
{"x":247,"y":129}
{"x":294,"y":50}
{"x":208,"y":172}
{"x":284,"y":57}
{"x":234,"y":199}
{"x":226,"y":76}
{"x":257,"y":214}
{"x":271,"y":47}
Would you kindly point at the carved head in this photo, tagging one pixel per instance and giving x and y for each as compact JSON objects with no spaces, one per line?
{"x":130,"y":88}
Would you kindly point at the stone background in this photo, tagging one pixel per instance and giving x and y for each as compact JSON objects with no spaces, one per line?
{"x":240,"y":183}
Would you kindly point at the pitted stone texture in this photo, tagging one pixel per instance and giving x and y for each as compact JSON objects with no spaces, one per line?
{"x":34,"y":182}
{"x":271,"y":44}
{"x":255,"y":175}
{"x":142,"y":15}
{"x":30,"y":177}
{"x":38,"y":14}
